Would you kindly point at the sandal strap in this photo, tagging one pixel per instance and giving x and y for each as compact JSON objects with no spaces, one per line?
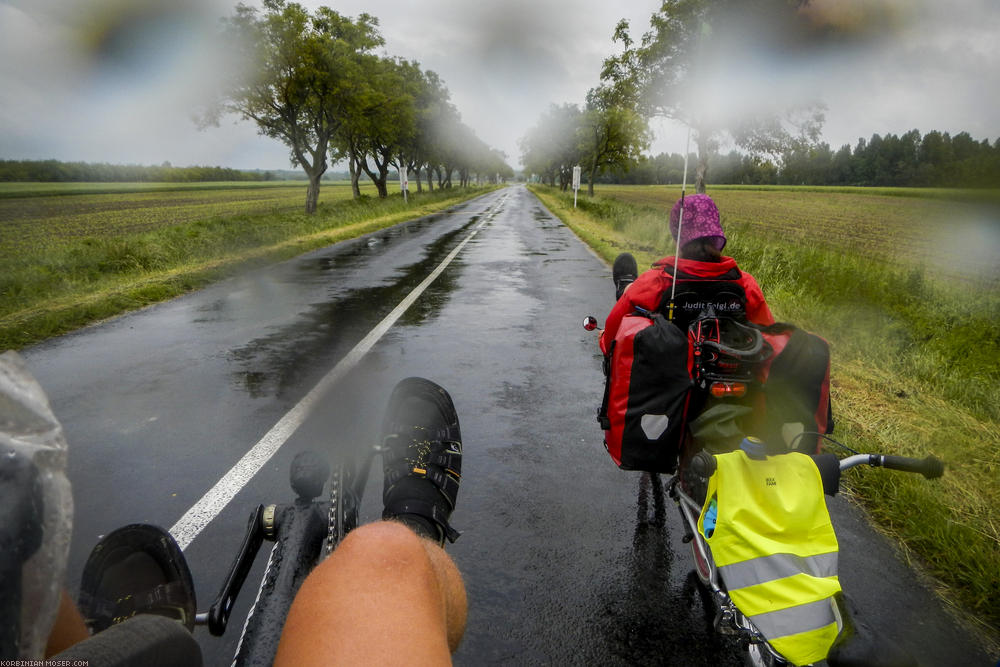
{"x":443,"y":468}
{"x":428,"y":511}
{"x":163,"y":596}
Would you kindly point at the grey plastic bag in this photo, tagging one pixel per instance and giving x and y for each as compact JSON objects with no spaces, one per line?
{"x":36,"y":512}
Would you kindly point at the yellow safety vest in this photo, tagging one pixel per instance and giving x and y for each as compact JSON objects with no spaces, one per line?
{"x":776,"y":550}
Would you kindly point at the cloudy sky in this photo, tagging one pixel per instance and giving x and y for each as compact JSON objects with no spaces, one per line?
{"x":117,"y":80}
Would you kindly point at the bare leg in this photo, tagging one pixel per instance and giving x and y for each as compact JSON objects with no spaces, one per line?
{"x":69,"y":627}
{"x":384,"y":596}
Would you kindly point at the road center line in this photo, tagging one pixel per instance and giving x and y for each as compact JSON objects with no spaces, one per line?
{"x":216,"y":499}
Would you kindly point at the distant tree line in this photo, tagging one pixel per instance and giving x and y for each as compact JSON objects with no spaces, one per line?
{"x":56,"y":171}
{"x":605,"y":137}
{"x":657,"y":76}
{"x":935,"y":159}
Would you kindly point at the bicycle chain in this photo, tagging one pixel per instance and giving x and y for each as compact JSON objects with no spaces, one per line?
{"x":335,"y":499}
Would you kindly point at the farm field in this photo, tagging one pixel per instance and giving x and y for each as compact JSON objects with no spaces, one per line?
{"x":36,"y":216}
{"x":938,"y":230}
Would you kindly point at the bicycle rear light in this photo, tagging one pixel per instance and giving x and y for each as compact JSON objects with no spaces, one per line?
{"x":728,"y":389}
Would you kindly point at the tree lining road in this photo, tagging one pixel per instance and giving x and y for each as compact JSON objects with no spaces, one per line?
{"x":567,"y":560}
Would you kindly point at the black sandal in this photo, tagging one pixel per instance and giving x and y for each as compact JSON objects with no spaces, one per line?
{"x":137,"y":569}
{"x":421,"y":458}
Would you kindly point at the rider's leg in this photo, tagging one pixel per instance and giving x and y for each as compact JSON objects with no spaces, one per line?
{"x":384,"y":596}
{"x":389,"y":594}
{"x":69,"y":627}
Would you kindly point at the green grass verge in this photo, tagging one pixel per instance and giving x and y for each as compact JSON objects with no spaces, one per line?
{"x":916,"y":370}
{"x":74,"y":281}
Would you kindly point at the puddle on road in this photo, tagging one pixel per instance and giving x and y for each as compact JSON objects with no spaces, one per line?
{"x":540,"y":215}
{"x":287,"y":358}
{"x":362,"y":250}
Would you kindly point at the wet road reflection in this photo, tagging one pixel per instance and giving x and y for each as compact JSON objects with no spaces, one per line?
{"x":660,"y":610}
{"x":300,"y":350}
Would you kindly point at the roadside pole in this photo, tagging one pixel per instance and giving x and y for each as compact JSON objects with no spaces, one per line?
{"x":404,"y":184}
{"x":576,"y":183}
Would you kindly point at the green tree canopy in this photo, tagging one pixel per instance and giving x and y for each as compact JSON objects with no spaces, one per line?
{"x":611,"y":134}
{"x":551,"y":148}
{"x":688,"y":67}
{"x":300,"y":79}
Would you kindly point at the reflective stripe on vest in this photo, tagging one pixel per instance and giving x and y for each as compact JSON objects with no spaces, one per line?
{"x":795,"y":620}
{"x":776,"y":550}
{"x":777,"y":566}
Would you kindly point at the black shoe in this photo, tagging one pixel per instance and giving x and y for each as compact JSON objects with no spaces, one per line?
{"x":422,"y":458}
{"x":623,"y":272}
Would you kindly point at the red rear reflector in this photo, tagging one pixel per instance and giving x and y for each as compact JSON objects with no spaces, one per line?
{"x":728,"y":389}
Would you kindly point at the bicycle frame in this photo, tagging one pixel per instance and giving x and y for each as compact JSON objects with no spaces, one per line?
{"x":304,"y":533}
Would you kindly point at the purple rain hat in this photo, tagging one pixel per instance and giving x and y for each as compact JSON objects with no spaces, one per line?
{"x":701,"y":219}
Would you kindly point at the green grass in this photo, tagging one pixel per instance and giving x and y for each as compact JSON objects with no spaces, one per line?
{"x":916,"y":347}
{"x":72,"y":267}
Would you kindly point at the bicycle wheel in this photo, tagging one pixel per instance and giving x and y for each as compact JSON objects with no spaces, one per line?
{"x":758,"y":655}
{"x":702,"y":564}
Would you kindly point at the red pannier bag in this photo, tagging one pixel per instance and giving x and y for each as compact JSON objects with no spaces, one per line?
{"x":795,"y":382}
{"x":647,"y":394}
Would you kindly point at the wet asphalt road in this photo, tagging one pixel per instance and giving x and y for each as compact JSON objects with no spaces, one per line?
{"x":567,"y":560}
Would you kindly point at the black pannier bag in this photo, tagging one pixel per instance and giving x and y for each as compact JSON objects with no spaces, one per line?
{"x":647,"y":393}
{"x":796,"y":388}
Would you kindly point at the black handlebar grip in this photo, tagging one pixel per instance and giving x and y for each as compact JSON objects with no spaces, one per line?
{"x":702,"y":464}
{"x":829,"y":472}
{"x":930,"y":467}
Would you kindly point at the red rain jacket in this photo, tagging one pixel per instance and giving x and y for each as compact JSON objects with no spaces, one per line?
{"x":648,"y":290}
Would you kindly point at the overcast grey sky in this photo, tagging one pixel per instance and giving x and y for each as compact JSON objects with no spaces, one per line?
{"x":116,"y":80}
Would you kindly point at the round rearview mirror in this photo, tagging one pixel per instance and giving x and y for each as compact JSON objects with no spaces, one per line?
{"x":590,"y":323}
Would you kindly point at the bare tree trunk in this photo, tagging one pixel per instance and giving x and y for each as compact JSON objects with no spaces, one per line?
{"x":312,"y":194}
{"x":701,"y":170}
{"x":379,"y":186}
{"x":590,"y":177}
{"x":352,"y":163}
{"x":314,"y":171}
{"x":380,"y":178}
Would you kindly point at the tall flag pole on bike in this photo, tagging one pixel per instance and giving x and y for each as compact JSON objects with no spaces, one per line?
{"x":680,"y":222}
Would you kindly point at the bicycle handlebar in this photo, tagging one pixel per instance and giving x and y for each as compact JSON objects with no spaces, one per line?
{"x":930,"y":467}
{"x":703,"y":464}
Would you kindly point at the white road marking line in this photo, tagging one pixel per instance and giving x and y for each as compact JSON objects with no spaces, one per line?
{"x":216,"y":499}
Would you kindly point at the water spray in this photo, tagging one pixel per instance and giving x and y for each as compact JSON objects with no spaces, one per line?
{"x":680,"y":222}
